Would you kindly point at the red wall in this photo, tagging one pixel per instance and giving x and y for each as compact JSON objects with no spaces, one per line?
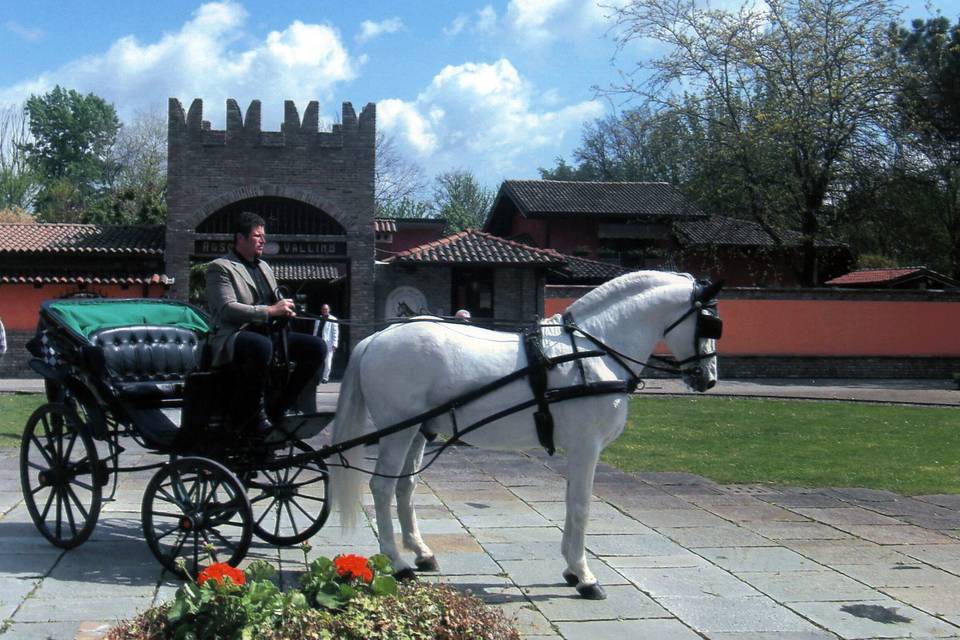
{"x":832,"y":327}
{"x":20,"y":303}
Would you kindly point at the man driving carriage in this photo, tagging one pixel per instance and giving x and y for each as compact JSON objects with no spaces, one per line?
{"x":243,"y":300}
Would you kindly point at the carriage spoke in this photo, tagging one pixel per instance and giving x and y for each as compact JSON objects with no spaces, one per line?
{"x":178,"y":544}
{"x":82,"y":485}
{"x":169,"y":498}
{"x":76,"y":501}
{"x":266,"y":512}
{"x":42,"y":450}
{"x":164,"y":514}
{"x":224,"y":541}
{"x":196,"y":551}
{"x":293,"y":521}
{"x":66,"y":504}
{"x":276,"y":525}
{"x":59,"y":520}
{"x":73,"y":441}
{"x":262,"y":496}
{"x":213,"y":492}
{"x":46,"y":508}
{"x":302,"y":510}
{"x":173,"y":530}
{"x":303,"y":496}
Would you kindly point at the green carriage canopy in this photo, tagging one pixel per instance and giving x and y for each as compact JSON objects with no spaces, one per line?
{"x":86,"y":317}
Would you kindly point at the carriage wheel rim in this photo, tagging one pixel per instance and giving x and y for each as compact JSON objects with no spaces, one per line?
{"x":194,"y":511}
{"x":57,"y":477}
{"x":285,"y":513}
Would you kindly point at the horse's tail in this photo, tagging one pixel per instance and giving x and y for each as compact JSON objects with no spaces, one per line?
{"x":346,"y":483}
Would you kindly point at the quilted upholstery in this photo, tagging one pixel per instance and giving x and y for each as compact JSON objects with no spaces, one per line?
{"x":149,"y":360}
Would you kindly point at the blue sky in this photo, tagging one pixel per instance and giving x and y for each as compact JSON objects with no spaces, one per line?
{"x":497,"y":87}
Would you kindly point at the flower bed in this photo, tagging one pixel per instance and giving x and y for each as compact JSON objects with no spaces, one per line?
{"x":349,"y":597}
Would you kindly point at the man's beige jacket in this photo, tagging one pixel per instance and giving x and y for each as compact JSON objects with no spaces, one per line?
{"x":231,"y":294}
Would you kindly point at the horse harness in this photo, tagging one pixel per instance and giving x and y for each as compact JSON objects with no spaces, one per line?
{"x":708,"y":326}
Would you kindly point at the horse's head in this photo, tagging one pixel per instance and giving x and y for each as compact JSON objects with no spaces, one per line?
{"x":692,"y":338}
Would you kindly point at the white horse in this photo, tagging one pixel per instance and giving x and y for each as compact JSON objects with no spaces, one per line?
{"x":408,"y":369}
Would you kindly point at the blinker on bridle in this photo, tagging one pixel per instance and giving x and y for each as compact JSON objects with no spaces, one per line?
{"x":703,"y":302}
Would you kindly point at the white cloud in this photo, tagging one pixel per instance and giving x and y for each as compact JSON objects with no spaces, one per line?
{"x":212,"y":56}
{"x":484,"y":21}
{"x":483,"y":116}
{"x":370,"y":30}
{"x":537,"y":22}
{"x":27,"y":33}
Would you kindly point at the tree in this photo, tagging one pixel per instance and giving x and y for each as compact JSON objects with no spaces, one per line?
{"x":17,"y":182}
{"x":788,"y":90}
{"x":72,"y":137}
{"x":136,"y":176}
{"x":928,"y":128}
{"x":398,"y":181}
{"x":461,"y":200}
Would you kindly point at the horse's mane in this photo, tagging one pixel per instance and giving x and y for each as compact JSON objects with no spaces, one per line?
{"x":628,"y":285}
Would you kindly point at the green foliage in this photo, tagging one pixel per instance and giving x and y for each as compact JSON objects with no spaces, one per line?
{"x":380,"y":610}
{"x":225,"y":610}
{"x":325,"y":587}
{"x":72,"y":136}
{"x":403,"y":208}
{"x":461,"y":200}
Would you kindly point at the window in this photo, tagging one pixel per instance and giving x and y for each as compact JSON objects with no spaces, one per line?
{"x":473,"y":291}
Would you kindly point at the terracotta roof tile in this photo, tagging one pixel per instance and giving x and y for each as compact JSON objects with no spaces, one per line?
{"x":556,"y":198}
{"x":88,"y":278}
{"x":384,"y":225}
{"x":81,"y":238}
{"x":865,"y":277}
{"x":476,"y":247}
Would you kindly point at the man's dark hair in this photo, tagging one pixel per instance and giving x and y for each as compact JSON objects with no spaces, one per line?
{"x":245,"y":223}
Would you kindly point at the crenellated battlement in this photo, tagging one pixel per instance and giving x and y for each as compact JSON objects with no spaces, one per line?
{"x":189,"y":127}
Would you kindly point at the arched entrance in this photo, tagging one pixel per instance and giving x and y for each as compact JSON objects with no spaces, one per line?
{"x":306,"y":247}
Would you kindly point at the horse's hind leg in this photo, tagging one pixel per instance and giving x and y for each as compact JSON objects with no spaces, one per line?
{"x":581,"y":464}
{"x":390,"y":463}
{"x":406,"y":487}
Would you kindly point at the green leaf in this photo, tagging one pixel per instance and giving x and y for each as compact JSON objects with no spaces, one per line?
{"x":384,"y":586}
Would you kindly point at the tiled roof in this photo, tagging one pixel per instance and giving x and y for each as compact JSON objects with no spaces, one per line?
{"x":88,"y":278}
{"x":81,"y":238}
{"x":578,"y":269}
{"x":723,"y":230}
{"x":300,"y":271}
{"x":864,"y":277}
{"x":556,"y":198}
{"x":476,"y":247}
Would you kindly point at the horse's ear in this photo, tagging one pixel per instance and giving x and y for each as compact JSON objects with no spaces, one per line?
{"x":710,"y":291}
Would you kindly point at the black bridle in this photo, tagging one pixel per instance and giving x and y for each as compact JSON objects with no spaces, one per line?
{"x":709,"y":326}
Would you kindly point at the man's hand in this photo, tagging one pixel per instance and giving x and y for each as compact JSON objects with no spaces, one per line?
{"x":282,"y":308}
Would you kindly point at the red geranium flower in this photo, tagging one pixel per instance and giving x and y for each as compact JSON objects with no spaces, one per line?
{"x":217,"y":572}
{"x":353,"y":566}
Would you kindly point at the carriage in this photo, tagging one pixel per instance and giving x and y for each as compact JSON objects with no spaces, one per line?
{"x":118,"y":369}
{"x":135,"y":369}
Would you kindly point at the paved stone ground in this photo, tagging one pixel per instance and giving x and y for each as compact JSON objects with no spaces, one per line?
{"x":680,"y":556}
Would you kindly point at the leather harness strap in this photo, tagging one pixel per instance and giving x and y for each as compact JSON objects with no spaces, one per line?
{"x":538,"y":364}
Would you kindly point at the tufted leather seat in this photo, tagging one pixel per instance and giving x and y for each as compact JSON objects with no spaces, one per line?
{"x":149,"y":361}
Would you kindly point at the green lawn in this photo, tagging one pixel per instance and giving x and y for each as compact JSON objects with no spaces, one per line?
{"x":909,"y":450}
{"x":14,"y":411}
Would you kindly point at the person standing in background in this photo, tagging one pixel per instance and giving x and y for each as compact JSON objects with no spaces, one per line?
{"x":3,"y":339}
{"x":330,"y":334}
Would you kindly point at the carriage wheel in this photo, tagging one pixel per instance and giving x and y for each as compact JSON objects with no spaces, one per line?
{"x":290,"y":504}
{"x":195,"y":513}
{"x":60,"y":475}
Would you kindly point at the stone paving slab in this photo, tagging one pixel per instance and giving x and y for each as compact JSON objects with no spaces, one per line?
{"x":680,"y":556}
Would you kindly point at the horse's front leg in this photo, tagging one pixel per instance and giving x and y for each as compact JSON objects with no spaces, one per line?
{"x":383,"y":484}
{"x":406,"y":514}
{"x":581,"y":464}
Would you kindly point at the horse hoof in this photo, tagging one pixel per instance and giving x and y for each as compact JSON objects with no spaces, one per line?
{"x":428,"y":564}
{"x":571,"y":578}
{"x":405,"y":575}
{"x":592,"y":592}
